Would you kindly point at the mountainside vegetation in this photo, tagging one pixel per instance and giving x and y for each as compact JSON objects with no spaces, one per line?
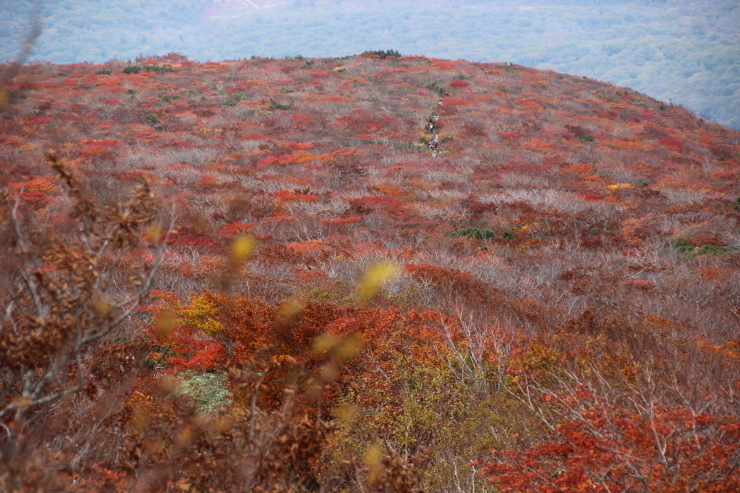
{"x":684,"y":51}
{"x":374,"y":273}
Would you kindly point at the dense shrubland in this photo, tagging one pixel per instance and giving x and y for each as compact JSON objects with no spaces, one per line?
{"x":686,"y":52}
{"x":551,"y":304}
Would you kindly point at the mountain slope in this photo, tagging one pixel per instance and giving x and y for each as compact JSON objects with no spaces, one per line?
{"x":684,"y":51}
{"x":567,"y":237}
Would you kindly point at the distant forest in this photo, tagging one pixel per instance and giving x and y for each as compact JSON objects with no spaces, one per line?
{"x":683,"y":52}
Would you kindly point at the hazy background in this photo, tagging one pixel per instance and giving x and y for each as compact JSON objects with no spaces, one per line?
{"x":687,"y":52}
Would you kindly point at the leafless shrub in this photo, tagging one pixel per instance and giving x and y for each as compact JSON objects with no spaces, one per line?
{"x":60,"y":295}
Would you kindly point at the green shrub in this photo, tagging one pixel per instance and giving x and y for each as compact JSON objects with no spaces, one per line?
{"x":274,"y":105}
{"x":136,"y":69}
{"x":159,"y":69}
{"x":383,"y":54}
{"x":684,"y":246}
{"x":206,"y":391}
{"x":478,"y":234}
{"x":688,"y":250}
{"x":239,"y":96}
{"x":709,"y":250}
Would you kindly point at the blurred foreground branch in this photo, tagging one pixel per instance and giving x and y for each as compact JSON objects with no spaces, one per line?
{"x":62,"y":290}
{"x":35,"y":27}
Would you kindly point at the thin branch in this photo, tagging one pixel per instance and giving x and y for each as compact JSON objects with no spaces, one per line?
{"x":30,"y":285}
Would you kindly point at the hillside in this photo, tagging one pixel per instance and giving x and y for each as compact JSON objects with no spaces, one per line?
{"x":547,"y":301}
{"x":675,"y":50}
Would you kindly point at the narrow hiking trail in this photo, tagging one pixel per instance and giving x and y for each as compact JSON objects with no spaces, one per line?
{"x":432,"y":126}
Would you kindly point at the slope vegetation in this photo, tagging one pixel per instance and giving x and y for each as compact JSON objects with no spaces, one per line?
{"x":352,"y":296}
{"x":669,"y":49}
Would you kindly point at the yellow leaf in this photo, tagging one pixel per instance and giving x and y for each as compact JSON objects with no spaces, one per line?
{"x":154,"y":232}
{"x":346,"y":412}
{"x":619,"y":185}
{"x":241,"y":248}
{"x":102,"y":306}
{"x":374,"y":462}
{"x":290,"y":309}
{"x":166,"y":323}
{"x":349,"y":348}
{"x":375,"y":276}
{"x":324,"y":343}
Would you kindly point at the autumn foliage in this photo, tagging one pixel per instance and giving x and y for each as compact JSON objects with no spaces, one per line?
{"x":275,"y":275}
